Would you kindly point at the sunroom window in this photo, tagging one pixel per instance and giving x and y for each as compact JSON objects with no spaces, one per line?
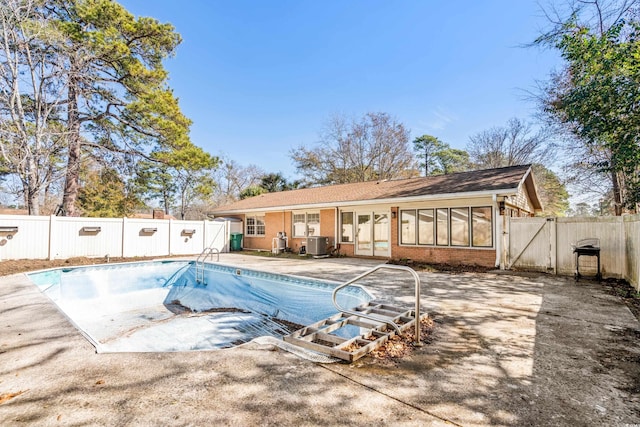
{"x":425,"y":227}
{"x":408,"y":227}
{"x":459,"y":226}
{"x":447,"y":227}
{"x":442,"y":227}
{"x":481,"y":229}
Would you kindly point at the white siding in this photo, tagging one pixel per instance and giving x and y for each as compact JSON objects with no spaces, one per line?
{"x":30,"y":242}
{"x":218,"y":236}
{"x":42,"y":237}
{"x":185,"y":244}
{"x":69,"y":240}
{"x":141,"y":243}
{"x":522,"y":200}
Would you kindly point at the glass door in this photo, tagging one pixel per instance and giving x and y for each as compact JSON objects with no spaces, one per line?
{"x":372,"y":236}
{"x":364,"y":235}
{"x":381,"y":234}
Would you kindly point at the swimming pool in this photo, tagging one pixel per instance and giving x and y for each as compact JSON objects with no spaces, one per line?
{"x":159,"y":306}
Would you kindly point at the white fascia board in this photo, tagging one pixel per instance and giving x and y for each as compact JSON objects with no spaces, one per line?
{"x":394,"y":200}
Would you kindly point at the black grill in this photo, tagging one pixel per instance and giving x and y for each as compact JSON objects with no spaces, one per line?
{"x":587,"y":247}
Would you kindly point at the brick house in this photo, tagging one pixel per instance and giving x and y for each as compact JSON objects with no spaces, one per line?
{"x":455,"y":219}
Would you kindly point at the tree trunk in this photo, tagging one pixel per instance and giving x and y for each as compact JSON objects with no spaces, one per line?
{"x":31,"y":190}
{"x":165,"y":200}
{"x":617,"y":195}
{"x":72,"y":178}
{"x":182,"y":202}
{"x":426,"y":162}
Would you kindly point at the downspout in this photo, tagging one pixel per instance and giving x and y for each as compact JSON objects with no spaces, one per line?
{"x":335,"y":230}
{"x":498,"y":232}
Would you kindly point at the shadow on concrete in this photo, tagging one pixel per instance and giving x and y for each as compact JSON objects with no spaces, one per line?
{"x":507,"y":350}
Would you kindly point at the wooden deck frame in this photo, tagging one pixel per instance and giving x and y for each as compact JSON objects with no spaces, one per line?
{"x":319,"y":336}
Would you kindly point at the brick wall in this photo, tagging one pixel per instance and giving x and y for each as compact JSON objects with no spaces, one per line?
{"x":274,"y":222}
{"x":346,"y":249}
{"x":448,"y":255}
{"x":327,"y":225}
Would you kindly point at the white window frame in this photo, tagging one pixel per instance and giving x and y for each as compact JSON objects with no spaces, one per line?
{"x":470,"y":227}
{"x":306,"y":225}
{"x":257,"y":222}
{"x":344,"y":232}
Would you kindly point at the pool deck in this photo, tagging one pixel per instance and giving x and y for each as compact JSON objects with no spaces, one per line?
{"x":507,"y":350}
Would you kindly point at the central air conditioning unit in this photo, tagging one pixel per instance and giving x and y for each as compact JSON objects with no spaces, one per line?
{"x":317,"y":245}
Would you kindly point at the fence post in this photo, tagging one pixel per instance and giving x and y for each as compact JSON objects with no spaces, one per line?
{"x":553,"y":243}
{"x":124,"y":226}
{"x":51,"y":234}
{"x":204,"y":234}
{"x":170,"y":234}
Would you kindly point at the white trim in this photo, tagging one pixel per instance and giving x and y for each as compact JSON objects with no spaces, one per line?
{"x":304,"y":211}
{"x":394,"y":200}
{"x":498,"y":231}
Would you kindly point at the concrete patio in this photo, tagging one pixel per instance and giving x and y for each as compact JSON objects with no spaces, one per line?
{"x":507,"y":350}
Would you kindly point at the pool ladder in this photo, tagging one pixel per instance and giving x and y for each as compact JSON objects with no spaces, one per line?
{"x":377,"y":321}
{"x":200,"y":262}
{"x":383,"y":319}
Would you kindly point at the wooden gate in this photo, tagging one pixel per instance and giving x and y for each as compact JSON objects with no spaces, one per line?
{"x":532,"y":244}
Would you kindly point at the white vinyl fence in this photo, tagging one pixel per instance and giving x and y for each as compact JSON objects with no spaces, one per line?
{"x":52,"y":237}
{"x":545,"y":244}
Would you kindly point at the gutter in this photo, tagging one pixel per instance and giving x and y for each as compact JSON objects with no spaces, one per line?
{"x":394,"y":200}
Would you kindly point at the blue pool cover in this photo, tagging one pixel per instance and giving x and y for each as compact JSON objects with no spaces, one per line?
{"x":158,"y":306}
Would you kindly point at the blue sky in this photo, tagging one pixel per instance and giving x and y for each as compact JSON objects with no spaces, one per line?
{"x":259,"y":78}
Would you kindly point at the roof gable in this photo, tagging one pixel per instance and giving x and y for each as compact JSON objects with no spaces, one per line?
{"x":507,"y":179}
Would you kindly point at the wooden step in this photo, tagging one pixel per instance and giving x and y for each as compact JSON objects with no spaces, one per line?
{"x":336,"y":336}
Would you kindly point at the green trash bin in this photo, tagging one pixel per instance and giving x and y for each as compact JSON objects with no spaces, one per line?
{"x":236,"y":241}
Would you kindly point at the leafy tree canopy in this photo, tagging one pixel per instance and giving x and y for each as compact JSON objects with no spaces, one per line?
{"x":372,"y":147}
{"x":180,"y":179}
{"x":96,"y":73}
{"x":274,"y":182}
{"x":103,"y":193}
{"x":597,"y":96}
{"x":438,"y":158}
{"x":518,"y":143}
{"x":253,"y":190}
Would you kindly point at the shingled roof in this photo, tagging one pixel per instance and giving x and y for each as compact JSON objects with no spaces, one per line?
{"x":489,"y":181}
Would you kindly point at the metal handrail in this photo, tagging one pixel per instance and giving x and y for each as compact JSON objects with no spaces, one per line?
{"x":370,"y":317}
{"x":200,"y":262}
{"x":208,"y":252}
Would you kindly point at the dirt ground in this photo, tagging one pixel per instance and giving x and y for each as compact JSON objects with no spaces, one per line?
{"x":13,"y":266}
